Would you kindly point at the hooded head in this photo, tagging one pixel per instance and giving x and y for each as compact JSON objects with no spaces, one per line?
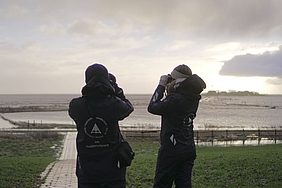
{"x":178,"y":74}
{"x":97,"y":76}
{"x":185,"y":82}
{"x":96,"y":71}
{"x":181,"y":71}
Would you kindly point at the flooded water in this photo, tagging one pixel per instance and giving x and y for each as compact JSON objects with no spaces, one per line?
{"x":5,"y":124}
{"x":215,"y":112}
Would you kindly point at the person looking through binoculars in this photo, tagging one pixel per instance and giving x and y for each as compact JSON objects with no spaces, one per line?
{"x":97,"y":114}
{"x":177,"y":109}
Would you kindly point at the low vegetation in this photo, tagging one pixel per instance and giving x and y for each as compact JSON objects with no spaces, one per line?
{"x":24,"y":157}
{"x":215,"y":167}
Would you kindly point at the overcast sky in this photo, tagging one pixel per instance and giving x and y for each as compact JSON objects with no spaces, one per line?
{"x":46,"y":45}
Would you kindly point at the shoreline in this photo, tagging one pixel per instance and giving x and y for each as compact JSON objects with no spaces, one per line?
{"x":5,"y":123}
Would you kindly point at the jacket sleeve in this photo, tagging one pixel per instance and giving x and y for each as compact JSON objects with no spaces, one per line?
{"x":74,"y":109}
{"x":125,"y":108}
{"x":158,"y":106}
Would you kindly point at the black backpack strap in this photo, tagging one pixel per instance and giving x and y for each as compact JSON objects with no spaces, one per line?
{"x":89,"y":107}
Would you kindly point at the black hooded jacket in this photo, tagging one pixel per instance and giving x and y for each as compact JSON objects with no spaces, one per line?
{"x":177,"y":111}
{"x":98,"y":132}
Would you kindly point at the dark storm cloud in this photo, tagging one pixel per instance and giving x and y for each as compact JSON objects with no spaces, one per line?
{"x":249,"y":19}
{"x":221,"y":18}
{"x":265,"y":65}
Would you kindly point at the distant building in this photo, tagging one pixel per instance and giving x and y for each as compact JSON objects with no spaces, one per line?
{"x":212,"y":93}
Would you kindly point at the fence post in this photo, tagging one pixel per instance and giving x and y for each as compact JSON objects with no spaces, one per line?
{"x":243,"y":137}
{"x":197,"y":138}
{"x":212,"y":137}
{"x":275,"y":134}
{"x":258,"y":136}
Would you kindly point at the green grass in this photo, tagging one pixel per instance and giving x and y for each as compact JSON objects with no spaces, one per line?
{"x":215,"y":167}
{"x":141,"y":171}
{"x":22,"y":171}
{"x":24,"y":157}
{"x":249,"y":166}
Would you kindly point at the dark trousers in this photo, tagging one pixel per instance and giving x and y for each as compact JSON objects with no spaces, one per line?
{"x":113,"y":184}
{"x":174,"y":168}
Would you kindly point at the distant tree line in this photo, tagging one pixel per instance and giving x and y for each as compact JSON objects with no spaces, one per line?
{"x":231,"y":93}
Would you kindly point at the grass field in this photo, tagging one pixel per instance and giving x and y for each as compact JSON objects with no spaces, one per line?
{"x":23,"y":158}
{"x":215,"y":167}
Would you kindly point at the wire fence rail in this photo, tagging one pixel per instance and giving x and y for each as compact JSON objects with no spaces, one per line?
{"x":213,"y":136}
{"x":201,"y":136}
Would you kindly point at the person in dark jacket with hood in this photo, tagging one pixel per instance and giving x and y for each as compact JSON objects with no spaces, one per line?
{"x":177,"y":110}
{"x":96,"y":114}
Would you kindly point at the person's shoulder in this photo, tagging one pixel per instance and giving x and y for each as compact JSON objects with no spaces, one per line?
{"x":76,"y":100}
{"x":174,"y":95}
{"x":115,"y":100}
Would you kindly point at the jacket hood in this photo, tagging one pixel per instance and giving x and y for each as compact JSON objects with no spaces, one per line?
{"x":191,"y":87}
{"x":97,"y":87}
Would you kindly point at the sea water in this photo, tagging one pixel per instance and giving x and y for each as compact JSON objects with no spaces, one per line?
{"x":215,"y":112}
